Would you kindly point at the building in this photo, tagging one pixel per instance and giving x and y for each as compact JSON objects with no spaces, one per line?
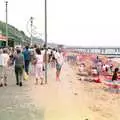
{"x":3,"y":40}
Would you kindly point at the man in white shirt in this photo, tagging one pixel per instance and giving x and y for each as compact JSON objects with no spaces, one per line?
{"x":43,"y":52}
{"x":59,"y":62}
{"x":4,"y":58}
{"x":49,"y":51}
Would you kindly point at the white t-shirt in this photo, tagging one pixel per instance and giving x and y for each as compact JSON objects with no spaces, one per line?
{"x":54,"y":52}
{"x":107,"y":66}
{"x":43,"y":52}
{"x":59,"y":58}
{"x":4,"y":59}
{"x":49,"y":51}
{"x":94,"y":71}
{"x":104,"y":67}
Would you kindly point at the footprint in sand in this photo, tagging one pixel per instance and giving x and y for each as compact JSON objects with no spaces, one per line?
{"x":75,"y":93}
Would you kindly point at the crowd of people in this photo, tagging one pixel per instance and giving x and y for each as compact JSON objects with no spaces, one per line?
{"x":100,"y":70}
{"x":94,"y":65}
{"x":21,"y":59}
{"x":26,"y":58}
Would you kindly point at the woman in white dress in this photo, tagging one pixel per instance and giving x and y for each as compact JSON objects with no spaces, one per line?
{"x":38,"y":66}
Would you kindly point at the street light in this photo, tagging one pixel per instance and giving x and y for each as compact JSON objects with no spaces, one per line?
{"x":46,"y":41}
{"x":6,"y":5}
{"x":32,"y":30}
{"x":31,"y":21}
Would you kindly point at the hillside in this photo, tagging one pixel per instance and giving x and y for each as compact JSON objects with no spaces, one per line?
{"x":13,"y":33}
{"x":16,"y":36}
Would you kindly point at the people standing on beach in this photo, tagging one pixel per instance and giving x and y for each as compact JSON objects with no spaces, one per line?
{"x":59,"y":62}
{"x":111,"y":67}
{"x":115,"y":76}
{"x":4,"y":58}
{"x":27,"y":58}
{"x":19,"y":67}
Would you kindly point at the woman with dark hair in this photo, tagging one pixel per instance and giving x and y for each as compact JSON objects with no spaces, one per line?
{"x":38,"y":66}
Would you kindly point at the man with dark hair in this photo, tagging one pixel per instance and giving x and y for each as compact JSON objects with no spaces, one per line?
{"x":19,"y":65}
{"x":59,"y":62}
{"x":27,"y":58}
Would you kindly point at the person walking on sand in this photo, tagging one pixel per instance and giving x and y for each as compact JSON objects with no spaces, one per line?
{"x":19,"y":67}
{"x":59,"y":62}
{"x":38,"y":62}
{"x":4,"y":58}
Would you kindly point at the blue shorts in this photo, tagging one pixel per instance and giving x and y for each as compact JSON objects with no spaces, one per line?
{"x":58,"y":67}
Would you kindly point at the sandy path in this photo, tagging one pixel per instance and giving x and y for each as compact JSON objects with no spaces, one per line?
{"x":71,"y":99}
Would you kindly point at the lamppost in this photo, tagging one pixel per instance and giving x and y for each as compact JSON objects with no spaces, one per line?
{"x":31,"y":21}
{"x":46,"y":41}
{"x":6,"y":5}
{"x":32,"y":30}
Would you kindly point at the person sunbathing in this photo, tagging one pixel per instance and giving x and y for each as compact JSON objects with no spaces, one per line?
{"x":115,"y":76}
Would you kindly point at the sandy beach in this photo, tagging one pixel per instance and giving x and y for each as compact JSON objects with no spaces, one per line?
{"x":71,"y":99}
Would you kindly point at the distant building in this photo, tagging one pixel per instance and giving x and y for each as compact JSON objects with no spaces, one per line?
{"x":3,"y":40}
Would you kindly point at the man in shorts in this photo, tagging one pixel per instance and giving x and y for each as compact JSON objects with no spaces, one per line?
{"x":59,"y":62}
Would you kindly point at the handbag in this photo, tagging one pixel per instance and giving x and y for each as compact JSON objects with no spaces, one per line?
{"x":25,"y":76}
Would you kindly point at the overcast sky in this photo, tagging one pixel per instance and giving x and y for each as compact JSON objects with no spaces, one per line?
{"x":70,"y":22}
